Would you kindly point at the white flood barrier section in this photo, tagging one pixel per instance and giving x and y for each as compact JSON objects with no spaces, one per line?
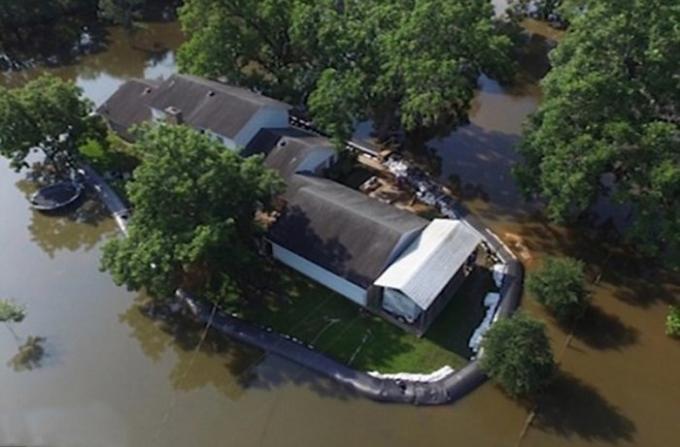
{"x":499,"y":271}
{"x":434,"y":376}
{"x":491,"y":301}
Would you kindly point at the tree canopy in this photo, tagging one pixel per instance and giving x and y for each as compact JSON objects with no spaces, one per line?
{"x":11,"y":312}
{"x":560,"y":286}
{"x":193,"y":223}
{"x":48,"y":114}
{"x":517,"y":355}
{"x":609,"y":120}
{"x":411,"y":63}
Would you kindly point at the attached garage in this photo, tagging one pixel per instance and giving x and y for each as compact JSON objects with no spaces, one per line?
{"x":422,"y":280}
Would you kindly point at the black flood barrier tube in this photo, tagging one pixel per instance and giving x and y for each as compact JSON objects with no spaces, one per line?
{"x":384,"y":390}
{"x":442,"y":391}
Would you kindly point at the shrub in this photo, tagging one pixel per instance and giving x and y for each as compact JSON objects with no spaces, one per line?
{"x":560,"y":286}
{"x":673,"y":321}
{"x":10,"y":312}
{"x":109,"y":155}
{"x":517,"y":355}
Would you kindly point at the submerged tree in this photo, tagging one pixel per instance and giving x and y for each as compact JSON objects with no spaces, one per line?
{"x":560,"y":286}
{"x":193,"y":225}
{"x":11,"y":312}
{"x":30,"y":355}
{"x":609,"y":122}
{"x":32,"y":351}
{"x":673,"y":321}
{"x":401,"y":63}
{"x":47,"y":114}
{"x":517,"y":355}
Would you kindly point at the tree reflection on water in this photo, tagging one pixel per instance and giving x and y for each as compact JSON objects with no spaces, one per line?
{"x":56,"y":231}
{"x":230,"y":367}
{"x":198,"y":361}
{"x":30,"y":355}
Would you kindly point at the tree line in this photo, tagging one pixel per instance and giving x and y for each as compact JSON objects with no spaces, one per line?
{"x":404,"y":64}
{"x":609,"y":122}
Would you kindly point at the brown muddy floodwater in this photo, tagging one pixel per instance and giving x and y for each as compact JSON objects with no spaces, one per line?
{"x":111,"y":376}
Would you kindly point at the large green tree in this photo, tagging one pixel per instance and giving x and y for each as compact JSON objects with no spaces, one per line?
{"x":413,"y":63}
{"x":609,"y":121}
{"x":11,"y":312}
{"x":560,"y":286}
{"x":48,"y":114}
{"x":517,"y":355}
{"x":193,"y":223}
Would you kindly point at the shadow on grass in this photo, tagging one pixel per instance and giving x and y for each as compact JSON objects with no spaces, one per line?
{"x":327,"y":321}
{"x":293,"y":305}
{"x":457,"y":322}
{"x":571,"y":408}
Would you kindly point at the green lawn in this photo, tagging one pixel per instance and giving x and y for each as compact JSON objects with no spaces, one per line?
{"x":337,"y":327}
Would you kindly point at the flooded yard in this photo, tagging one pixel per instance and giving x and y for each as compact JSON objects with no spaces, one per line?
{"x":110,"y":375}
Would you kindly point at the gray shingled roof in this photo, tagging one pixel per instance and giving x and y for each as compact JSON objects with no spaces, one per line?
{"x":340,"y":229}
{"x":129,"y":105}
{"x":284,"y":148}
{"x":209,"y":104}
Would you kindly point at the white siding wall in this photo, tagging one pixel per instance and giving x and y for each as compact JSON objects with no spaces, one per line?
{"x":321,"y":158}
{"x":265,"y":117}
{"x":157,"y":115}
{"x":396,"y":302}
{"x":320,"y":275}
{"x":228,"y":142}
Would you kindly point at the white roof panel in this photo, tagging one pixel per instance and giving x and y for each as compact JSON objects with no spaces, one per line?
{"x":427,"y":265}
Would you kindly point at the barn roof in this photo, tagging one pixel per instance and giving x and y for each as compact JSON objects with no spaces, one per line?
{"x":211,"y":105}
{"x":129,"y":105}
{"x":427,"y":265}
{"x":340,"y":229}
{"x":285,"y":148}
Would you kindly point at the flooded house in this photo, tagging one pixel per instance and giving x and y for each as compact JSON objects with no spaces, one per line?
{"x":390,"y":261}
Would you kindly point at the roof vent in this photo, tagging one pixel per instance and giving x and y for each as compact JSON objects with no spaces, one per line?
{"x":173,"y":115}
{"x":283,"y":143}
{"x":211,"y":93}
{"x":147,"y":91}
